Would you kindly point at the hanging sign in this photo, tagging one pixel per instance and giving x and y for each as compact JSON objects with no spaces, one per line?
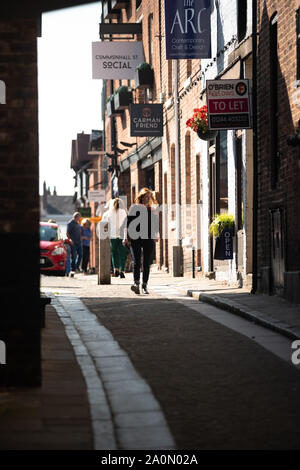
{"x":146,"y":120}
{"x":187,"y":29}
{"x":116,"y":60}
{"x":228,"y":104}
{"x":85,"y":211}
{"x":97,"y":195}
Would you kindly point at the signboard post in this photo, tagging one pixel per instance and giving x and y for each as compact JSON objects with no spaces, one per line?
{"x":146,"y":120}
{"x":228,"y":104}
{"x":116,"y":60}
{"x":187,"y":29}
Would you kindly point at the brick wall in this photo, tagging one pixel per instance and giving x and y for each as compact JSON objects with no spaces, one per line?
{"x":19,"y":204}
{"x":286,"y":193}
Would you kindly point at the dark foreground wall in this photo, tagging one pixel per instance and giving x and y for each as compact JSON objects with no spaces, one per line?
{"x":20,"y":319}
{"x":19,"y":204}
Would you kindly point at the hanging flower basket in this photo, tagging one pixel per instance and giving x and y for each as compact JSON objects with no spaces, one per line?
{"x":199,"y":123}
{"x":110,"y":107}
{"x":144,"y":76}
{"x":208,"y":135}
{"x":122,"y":98}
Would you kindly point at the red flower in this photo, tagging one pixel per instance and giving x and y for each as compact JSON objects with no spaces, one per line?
{"x":199,"y":121}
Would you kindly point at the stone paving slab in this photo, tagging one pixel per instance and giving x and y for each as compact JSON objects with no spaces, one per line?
{"x":217,"y":388}
{"x":129,"y":393}
{"x":265,"y":318}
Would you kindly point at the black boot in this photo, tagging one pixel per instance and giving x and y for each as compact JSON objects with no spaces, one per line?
{"x":135,"y":288}
{"x":144,"y":289}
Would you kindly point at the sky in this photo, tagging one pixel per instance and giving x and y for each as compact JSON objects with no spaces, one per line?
{"x":69,"y":99}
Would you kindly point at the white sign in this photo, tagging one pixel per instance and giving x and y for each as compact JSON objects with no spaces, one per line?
{"x":116,"y":60}
{"x":2,"y":92}
{"x":97,"y":196}
{"x":228,"y":103}
{"x":2,"y":352}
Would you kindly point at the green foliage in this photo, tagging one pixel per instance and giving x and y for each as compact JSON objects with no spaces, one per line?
{"x":109,"y":98}
{"x":219,"y":222}
{"x":143,"y":66}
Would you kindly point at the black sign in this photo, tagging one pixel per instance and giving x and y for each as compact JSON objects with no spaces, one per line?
{"x":187,"y":26}
{"x":224,"y":245}
{"x":85,"y":211}
{"x":146,"y":120}
{"x":230,"y":121}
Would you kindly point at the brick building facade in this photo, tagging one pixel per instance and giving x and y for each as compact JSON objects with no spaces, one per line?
{"x":202,"y":166}
{"x":278,"y":65}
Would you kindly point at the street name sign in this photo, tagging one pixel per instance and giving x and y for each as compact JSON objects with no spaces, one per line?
{"x":187,"y":29}
{"x":146,"y":120}
{"x":228,"y":104}
{"x":116,"y":60}
{"x":97,"y":195}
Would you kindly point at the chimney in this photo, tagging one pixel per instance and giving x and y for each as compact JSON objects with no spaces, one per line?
{"x":45,"y":202}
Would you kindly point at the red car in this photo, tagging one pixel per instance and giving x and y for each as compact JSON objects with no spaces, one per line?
{"x":53,"y":252}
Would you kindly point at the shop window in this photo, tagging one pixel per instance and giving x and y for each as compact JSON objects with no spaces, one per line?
{"x":173,"y":198}
{"x":188,"y":68}
{"x":239,"y":183}
{"x":274,"y":100}
{"x":188,"y":168}
{"x":170,"y":77}
{"x":222,"y":173}
{"x":150,"y":178}
{"x":241,"y":19}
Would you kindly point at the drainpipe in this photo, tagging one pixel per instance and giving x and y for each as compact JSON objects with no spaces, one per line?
{"x":177,"y":249}
{"x":160,"y":47}
{"x":255,"y":171}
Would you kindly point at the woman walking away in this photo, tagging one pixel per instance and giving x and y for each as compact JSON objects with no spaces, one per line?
{"x":142,"y":232}
{"x":116,"y":218}
{"x":86,"y":236}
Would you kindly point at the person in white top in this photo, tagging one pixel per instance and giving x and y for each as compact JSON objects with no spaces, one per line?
{"x":116,"y":217}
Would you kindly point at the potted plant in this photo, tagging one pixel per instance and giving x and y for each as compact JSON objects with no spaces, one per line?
{"x":144,"y":76}
{"x":122,"y":98}
{"x":222,"y":228}
{"x":199,"y":123}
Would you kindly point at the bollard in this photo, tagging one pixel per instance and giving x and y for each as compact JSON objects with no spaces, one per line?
{"x":104,"y":276}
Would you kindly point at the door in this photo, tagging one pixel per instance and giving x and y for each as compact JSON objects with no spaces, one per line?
{"x":277,"y":249}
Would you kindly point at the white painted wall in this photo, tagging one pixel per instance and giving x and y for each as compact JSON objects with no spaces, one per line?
{"x":223,"y":31}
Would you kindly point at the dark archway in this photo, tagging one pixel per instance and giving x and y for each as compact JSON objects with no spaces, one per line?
{"x":20,"y":319}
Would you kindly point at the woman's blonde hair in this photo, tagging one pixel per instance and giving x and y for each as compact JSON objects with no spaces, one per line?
{"x":146,"y":193}
{"x":116,"y":204}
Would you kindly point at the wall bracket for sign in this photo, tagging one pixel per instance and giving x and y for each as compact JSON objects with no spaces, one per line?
{"x":119,"y":31}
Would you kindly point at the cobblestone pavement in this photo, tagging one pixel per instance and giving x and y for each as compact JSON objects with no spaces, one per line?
{"x":221,"y":381}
